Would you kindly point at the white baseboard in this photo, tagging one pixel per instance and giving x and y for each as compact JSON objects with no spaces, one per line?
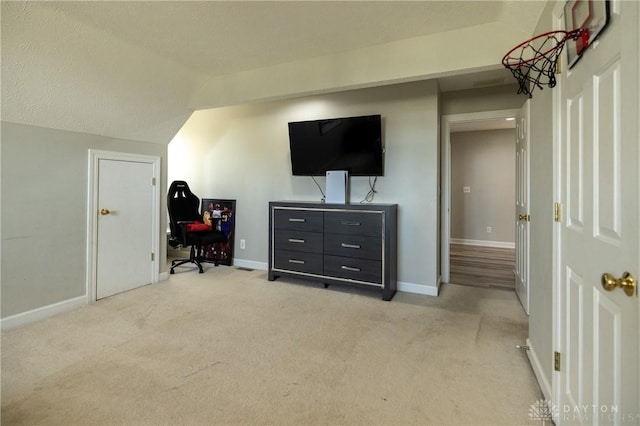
{"x":38,"y":314}
{"x":483,"y":243}
{"x":429,"y":290}
{"x":261,"y":266}
{"x":543,"y":381}
{"x":402,"y":286}
{"x":163,"y":276}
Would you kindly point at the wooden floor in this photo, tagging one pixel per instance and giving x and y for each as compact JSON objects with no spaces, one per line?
{"x":482,"y":266}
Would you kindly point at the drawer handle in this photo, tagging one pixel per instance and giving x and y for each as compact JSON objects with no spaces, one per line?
{"x":296,"y":240}
{"x":295,"y":219}
{"x":348,"y":223}
{"x":353,"y":246}
{"x":299,"y":262}
{"x":349,"y":268}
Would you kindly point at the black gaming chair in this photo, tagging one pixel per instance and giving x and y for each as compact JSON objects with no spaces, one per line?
{"x":184,"y":221}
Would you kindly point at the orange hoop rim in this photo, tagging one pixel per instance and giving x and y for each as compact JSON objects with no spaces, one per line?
{"x":520,"y":62}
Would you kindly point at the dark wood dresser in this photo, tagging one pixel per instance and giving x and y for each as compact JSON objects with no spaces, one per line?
{"x":346,"y":243}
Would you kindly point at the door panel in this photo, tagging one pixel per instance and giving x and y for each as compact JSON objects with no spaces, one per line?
{"x":575,"y":164}
{"x":575,"y":350}
{"x":607,"y":335}
{"x":599,"y":340}
{"x":607,"y":164}
{"x":125,"y":233}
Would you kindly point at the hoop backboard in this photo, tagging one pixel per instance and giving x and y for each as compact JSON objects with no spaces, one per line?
{"x":579,"y":14}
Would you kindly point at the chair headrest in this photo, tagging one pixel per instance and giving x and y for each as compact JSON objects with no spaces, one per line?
{"x":180,"y":189}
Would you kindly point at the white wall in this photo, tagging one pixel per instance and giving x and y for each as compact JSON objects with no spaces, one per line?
{"x":243,"y":152}
{"x":541,"y":230}
{"x":44,"y":212}
{"x":484,"y":161}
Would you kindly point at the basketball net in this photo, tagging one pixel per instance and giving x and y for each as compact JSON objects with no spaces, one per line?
{"x":533,"y":62}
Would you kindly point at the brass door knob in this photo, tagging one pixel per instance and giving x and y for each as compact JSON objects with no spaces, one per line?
{"x":104,"y":212}
{"x":627,"y":283}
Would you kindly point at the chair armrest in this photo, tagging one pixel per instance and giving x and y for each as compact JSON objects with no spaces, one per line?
{"x":183,"y":226}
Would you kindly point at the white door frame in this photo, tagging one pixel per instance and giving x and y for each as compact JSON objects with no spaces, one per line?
{"x":445,"y":149}
{"x":92,"y":213}
{"x":556,"y":261}
{"x":523,"y":205}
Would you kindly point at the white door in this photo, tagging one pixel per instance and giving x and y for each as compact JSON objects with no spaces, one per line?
{"x":125,"y":228}
{"x":522,"y":206}
{"x":598,"y":381}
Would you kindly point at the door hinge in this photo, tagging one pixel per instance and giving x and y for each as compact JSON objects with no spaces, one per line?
{"x":557,"y":212}
{"x":153,"y":181}
{"x":556,"y":361}
{"x":153,"y":257}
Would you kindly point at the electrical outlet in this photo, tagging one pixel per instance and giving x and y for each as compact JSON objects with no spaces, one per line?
{"x":242,"y":244}
{"x":489,"y":229}
{"x":466,"y":189}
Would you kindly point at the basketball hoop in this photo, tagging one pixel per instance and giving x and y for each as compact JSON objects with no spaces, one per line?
{"x":533,"y":62}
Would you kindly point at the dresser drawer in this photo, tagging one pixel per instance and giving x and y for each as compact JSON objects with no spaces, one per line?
{"x":353,"y":246}
{"x":298,"y":261}
{"x":309,"y":242}
{"x":354,"y":269}
{"x":353,"y":223}
{"x":298,"y":220}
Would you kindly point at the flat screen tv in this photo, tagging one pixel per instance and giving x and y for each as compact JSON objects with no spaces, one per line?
{"x":350,"y":143}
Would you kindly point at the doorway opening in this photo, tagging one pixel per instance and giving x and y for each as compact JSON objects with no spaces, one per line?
{"x":478,"y":199}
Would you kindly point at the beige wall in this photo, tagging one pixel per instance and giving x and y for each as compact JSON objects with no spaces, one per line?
{"x":483,"y":161}
{"x":480,"y":100}
{"x":44,"y":212}
{"x":243,"y":154}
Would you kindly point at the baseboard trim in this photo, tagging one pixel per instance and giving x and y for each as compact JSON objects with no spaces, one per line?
{"x":483,"y":243}
{"x":262,"y":266}
{"x":543,"y":382}
{"x":163,"y":276}
{"x":402,"y":286}
{"x":428,"y":290}
{"x":44,"y":312}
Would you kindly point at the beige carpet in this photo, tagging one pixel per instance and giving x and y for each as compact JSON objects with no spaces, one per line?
{"x":230,"y":347}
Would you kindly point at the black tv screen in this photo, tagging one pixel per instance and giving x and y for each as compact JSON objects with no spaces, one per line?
{"x":350,"y":143}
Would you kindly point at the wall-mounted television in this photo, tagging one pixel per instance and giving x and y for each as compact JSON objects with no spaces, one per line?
{"x":349,"y":143}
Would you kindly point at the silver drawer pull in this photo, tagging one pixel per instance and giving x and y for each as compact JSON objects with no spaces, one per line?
{"x":348,"y":223}
{"x":296,"y":240}
{"x":353,"y":246}
{"x":349,"y":268}
{"x":299,"y":262}
{"x":295,"y":219}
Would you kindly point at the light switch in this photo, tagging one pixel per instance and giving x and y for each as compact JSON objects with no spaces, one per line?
{"x":466,"y":189}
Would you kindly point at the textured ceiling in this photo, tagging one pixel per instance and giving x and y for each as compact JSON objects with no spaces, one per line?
{"x":130,"y":69}
{"x":223,"y":37}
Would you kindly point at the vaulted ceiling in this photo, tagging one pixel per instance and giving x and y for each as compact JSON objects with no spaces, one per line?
{"x":136,"y":70}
